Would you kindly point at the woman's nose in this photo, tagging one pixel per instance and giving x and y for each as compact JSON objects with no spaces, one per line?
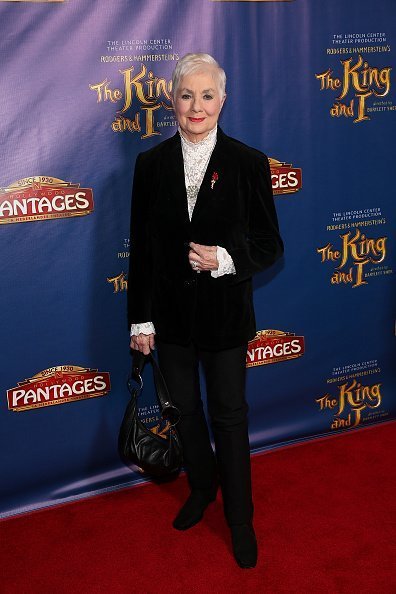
{"x":196,"y":106}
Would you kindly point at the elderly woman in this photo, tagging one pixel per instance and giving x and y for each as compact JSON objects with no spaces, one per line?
{"x":203,"y":222}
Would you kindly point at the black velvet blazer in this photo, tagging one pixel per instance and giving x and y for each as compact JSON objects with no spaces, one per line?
{"x":237,"y":213}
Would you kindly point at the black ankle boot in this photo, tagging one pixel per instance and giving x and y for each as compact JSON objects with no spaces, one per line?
{"x":192,"y":511}
{"x":244,"y":545}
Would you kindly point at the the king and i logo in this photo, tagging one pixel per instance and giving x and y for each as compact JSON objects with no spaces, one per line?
{"x":352,"y":399}
{"x":150,"y":92}
{"x":355,"y":253}
{"x":363,"y":80}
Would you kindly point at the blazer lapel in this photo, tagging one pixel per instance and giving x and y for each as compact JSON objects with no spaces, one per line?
{"x":174,"y":172}
{"x":211,"y":182}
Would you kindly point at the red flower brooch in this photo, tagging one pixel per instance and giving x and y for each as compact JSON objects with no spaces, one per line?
{"x":215,"y":177}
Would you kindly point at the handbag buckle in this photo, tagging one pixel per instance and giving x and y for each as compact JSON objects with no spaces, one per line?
{"x":171,"y":413}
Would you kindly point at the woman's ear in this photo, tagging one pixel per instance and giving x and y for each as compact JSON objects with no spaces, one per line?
{"x":223,"y":100}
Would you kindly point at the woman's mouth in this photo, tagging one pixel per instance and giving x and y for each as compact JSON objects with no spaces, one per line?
{"x":196,"y":120}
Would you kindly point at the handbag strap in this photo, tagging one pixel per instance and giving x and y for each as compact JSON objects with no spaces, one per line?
{"x":169,"y":410}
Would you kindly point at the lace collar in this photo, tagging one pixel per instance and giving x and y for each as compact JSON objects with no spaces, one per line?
{"x":209,"y":141}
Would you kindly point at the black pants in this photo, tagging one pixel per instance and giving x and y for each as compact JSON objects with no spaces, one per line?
{"x":225,"y":373}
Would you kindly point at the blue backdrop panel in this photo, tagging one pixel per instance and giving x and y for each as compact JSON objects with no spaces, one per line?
{"x":84,"y":88}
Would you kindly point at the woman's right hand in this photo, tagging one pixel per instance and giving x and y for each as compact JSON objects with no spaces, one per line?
{"x":143,"y":343}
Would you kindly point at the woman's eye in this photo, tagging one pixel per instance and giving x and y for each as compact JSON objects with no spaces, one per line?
{"x":186,"y":96}
{"x":208,"y":97}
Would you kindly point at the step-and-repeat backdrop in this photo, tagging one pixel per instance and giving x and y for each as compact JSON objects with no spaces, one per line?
{"x":84,"y":87}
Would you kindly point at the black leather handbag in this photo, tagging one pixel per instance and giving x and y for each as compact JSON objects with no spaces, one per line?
{"x":157,"y":453}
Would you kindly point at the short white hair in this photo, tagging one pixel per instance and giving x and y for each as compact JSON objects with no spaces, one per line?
{"x":191,"y":63}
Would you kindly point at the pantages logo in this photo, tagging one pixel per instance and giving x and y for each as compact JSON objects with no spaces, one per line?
{"x":57,"y":385}
{"x":363,"y":80}
{"x":285,"y":178}
{"x":40,"y":197}
{"x":273,"y":346}
{"x":352,"y":399}
{"x":356,"y":251}
{"x":142,"y":94}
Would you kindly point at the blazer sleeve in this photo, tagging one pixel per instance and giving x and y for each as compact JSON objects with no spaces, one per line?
{"x":262,"y":244}
{"x":140,"y":264}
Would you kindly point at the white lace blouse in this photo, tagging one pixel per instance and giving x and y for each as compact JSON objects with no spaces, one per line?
{"x":196,"y":156}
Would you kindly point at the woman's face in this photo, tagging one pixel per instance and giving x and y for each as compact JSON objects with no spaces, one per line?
{"x":198,"y":104}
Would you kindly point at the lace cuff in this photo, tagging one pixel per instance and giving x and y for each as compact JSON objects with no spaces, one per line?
{"x":226,"y":264}
{"x":143,"y":328}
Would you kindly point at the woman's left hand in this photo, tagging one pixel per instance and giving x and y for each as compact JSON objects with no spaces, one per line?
{"x":203,"y":257}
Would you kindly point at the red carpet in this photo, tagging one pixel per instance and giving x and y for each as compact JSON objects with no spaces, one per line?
{"x":325,"y":521}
